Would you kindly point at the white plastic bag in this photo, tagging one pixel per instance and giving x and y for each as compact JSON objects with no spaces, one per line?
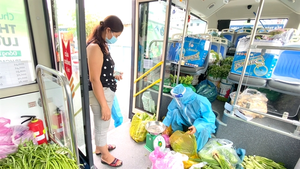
{"x":199,"y":165}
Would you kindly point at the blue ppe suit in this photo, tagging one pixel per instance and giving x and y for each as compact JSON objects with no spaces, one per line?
{"x":190,"y":109}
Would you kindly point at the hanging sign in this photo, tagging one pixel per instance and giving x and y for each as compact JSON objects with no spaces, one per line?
{"x":67,"y":58}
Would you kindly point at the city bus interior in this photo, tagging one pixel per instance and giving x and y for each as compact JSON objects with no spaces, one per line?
{"x":43,"y":83}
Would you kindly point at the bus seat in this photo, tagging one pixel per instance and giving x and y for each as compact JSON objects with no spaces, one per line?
{"x":286,"y":75}
{"x":216,"y":44}
{"x":212,"y":30}
{"x":292,"y":89}
{"x":288,"y":66}
{"x":199,"y":70}
{"x":223,"y":47}
{"x":228,"y":34}
{"x":240,"y":34}
{"x":262,"y":31}
{"x":249,"y":81}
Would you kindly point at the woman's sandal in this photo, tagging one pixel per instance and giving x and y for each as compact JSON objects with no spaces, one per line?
{"x":113,"y":164}
{"x":110,"y":148}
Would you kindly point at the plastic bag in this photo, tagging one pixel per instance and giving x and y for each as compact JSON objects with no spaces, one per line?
{"x":7,"y":149}
{"x":5,"y":132}
{"x":164,"y":160}
{"x":148,"y":102}
{"x":116,"y":113}
{"x":184,"y":143}
{"x":22,"y":133}
{"x":207,"y":89}
{"x":223,"y":149}
{"x":252,"y":99}
{"x":168,"y":131}
{"x":11,"y":137}
{"x":197,"y":166}
{"x":137,"y":128}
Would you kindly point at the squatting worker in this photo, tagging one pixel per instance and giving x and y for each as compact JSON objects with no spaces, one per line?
{"x":102,"y":83}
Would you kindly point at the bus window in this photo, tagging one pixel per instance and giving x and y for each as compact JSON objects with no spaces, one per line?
{"x":197,"y":25}
{"x":268,"y":24}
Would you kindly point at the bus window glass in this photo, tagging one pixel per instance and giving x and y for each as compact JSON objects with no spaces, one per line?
{"x":269,"y":24}
{"x":196,"y":25}
{"x":16,"y":56}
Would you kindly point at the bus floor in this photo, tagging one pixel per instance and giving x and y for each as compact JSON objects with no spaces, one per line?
{"x":133,"y":155}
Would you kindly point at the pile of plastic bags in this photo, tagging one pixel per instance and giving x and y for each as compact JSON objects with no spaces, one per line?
{"x":164,"y":160}
{"x":11,"y":137}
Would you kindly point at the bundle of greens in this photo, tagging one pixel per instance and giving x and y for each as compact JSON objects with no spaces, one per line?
{"x":45,"y":156}
{"x":258,"y":162}
{"x":214,"y":71}
{"x":227,"y":60}
{"x":217,"y":154}
{"x":182,"y":79}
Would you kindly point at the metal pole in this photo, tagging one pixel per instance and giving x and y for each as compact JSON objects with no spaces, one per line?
{"x":187,"y":12}
{"x":164,"y":55}
{"x":259,"y":11}
{"x":293,"y":122}
{"x":80,"y":20}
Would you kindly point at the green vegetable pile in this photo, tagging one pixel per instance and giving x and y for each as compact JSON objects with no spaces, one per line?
{"x":221,"y":70}
{"x":227,"y":61}
{"x":46,"y":156}
{"x":258,"y":162}
{"x":182,"y":79}
{"x":219,"y":156}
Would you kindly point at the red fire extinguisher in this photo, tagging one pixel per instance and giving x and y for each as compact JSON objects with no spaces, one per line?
{"x":57,"y":123}
{"x":37,"y":127}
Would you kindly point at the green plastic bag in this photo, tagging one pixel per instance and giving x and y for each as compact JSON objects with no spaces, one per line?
{"x":184,"y":143}
{"x":137,"y":129}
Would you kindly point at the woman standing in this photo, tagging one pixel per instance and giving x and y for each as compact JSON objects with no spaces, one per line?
{"x":102,"y":83}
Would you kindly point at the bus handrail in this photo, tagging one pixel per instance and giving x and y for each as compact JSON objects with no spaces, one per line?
{"x":66,"y":87}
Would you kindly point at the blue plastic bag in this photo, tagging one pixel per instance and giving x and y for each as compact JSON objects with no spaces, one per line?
{"x":207,"y":89}
{"x":116,"y":113}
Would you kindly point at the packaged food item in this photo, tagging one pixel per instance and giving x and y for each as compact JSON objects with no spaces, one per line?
{"x":251,"y":99}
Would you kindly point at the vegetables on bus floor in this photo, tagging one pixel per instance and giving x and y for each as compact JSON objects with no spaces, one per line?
{"x":46,"y":156}
{"x":258,"y":162}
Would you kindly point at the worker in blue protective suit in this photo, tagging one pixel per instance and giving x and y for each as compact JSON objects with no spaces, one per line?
{"x":192,"y":111}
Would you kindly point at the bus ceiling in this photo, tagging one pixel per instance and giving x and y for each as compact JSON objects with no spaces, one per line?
{"x":214,"y":10}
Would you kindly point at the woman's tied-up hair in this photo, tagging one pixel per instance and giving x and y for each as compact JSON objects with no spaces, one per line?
{"x":112,"y":22}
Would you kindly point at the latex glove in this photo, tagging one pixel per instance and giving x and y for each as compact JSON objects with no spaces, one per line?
{"x":192,"y":130}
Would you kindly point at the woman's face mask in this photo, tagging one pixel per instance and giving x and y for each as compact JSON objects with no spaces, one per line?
{"x":112,"y":40}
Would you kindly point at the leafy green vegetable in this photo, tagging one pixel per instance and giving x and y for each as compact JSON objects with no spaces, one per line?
{"x":260,"y":163}
{"x":46,"y":156}
{"x":214,"y":71}
{"x":227,"y":60}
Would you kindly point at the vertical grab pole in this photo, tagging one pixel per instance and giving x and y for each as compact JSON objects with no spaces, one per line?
{"x":259,"y":11}
{"x":187,"y":12}
{"x":164,"y":54}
